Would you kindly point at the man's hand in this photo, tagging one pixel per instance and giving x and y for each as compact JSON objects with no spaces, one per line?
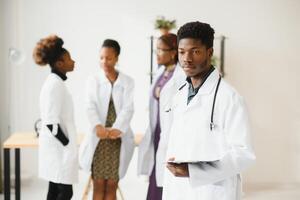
{"x":114,"y":133}
{"x":101,"y":132}
{"x":178,"y":169}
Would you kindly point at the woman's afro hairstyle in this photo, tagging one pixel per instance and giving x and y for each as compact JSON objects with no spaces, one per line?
{"x":48,"y":50}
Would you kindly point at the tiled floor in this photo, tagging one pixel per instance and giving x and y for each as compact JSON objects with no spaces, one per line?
{"x":36,"y":190}
{"x":272,"y":191}
{"x":135,"y":188}
{"x":132,"y":187}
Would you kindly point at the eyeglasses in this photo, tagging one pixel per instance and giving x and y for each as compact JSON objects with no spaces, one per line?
{"x":161,"y":51}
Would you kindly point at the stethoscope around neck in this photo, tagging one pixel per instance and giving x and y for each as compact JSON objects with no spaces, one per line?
{"x":212,"y":124}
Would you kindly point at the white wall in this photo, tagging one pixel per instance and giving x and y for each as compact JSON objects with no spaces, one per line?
{"x":2,"y":81}
{"x":2,"y":87}
{"x":3,"y":74}
{"x":6,"y":27}
{"x":261,"y":62}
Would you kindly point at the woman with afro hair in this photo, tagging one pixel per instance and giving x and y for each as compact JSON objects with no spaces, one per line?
{"x":58,"y":160}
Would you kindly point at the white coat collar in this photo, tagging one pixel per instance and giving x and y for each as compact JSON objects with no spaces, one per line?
{"x":157,"y":74}
{"x":104,"y":80}
{"x":176,"y":76}
{"x":209,"y":83}
{"x":178,"y":73}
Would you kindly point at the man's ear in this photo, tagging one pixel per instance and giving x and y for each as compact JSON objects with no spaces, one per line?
{"x":210,"y":52}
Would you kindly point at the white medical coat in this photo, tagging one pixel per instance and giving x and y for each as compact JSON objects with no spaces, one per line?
{"x":146,"y":148}
{"x":57,"y":163}
{"x":99,"y":90}
{"x":191,"y":140}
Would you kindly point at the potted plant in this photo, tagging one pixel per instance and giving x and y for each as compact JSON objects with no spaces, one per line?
{"x":164,"y":25}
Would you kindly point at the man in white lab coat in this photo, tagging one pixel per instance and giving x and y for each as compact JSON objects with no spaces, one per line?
{"x":209,"y":141}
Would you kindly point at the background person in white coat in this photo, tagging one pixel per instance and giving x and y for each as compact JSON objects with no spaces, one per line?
{"x":108,"y":148}
{"x":152,"y":150}
{"x":209,"y":141}
{"x":58,"y":159}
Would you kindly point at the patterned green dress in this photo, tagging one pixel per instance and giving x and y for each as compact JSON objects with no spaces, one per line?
{"x":107,"y":154}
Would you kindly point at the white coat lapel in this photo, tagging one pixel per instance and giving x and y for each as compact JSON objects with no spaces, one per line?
{"x":210,"y":83}
{"x":158,"y":73}
{"x":117,"y":91}
{"x":170,"y":88}
{"x":104,"y":91}
{"x":152,"y":102}
{"x":207,"y":88}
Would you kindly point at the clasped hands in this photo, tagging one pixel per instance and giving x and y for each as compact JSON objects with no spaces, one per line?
{"x":107,"y":133}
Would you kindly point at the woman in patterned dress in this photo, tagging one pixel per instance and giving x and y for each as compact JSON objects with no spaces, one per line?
{"x":110,"y":109}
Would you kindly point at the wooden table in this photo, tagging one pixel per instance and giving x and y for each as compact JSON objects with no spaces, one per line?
{"x":21,"y":140}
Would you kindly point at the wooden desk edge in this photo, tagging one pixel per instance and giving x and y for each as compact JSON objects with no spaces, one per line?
{"x":8,"y":143}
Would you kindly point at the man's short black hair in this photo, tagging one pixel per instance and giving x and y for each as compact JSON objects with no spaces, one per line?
{"x":113,"y":44}
{"x":199,"y":31}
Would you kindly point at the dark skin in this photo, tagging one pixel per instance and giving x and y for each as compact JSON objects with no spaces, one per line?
{"x":165,"y":55}
{"x":106,"y":189}
{"x":195,"y":59}
{"x":65,"y":63}
{"x":108,"y":61}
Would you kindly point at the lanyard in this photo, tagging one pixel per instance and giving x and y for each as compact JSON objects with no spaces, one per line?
{"x":212,"y":125}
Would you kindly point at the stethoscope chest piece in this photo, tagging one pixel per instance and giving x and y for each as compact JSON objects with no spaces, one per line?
{"x":212,"y":126}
